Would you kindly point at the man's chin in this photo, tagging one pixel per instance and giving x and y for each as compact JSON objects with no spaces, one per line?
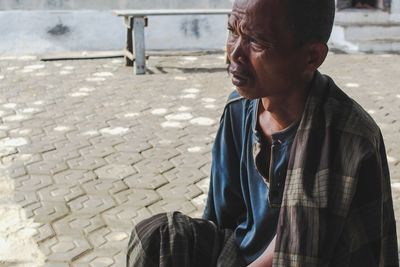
{"x":246,"y":92}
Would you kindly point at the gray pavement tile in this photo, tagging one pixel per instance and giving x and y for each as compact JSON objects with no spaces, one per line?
{"x":78,"y":224}
{"x":127,"y":158}
{"x":91,"y":204}
{"x":153,"y":165}
{"x":145,"y":181}
{"x":125,"y":216}
{"x":115,"y":171}
{"x":74,"y":177}
{"x":44,"y":231}
{"x":178,"y":191}
{"x":57,"y":192}
{"x":64,"y":248}
{"x":104,"y":187}
{"x":184,"y":206}
{"x":49,"y":167}
{"x":137,"y":197}
{"x":45,"y":212}
{"x":32,"y":183}
{"x":24,"y":198}
{"x":86,"y":163}
{"x":109,"y":238}
{"x":13,"y":170}
{"x":184,"y":175}
{"x":204,"y":185}
{"x":102,"y":258}
{"x":100,"y":151}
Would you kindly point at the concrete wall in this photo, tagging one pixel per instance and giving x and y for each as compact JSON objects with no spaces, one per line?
{"x":53,"y":31}
{"x":109,"y":4}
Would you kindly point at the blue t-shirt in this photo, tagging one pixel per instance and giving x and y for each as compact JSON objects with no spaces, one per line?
{"x":245,"y":194}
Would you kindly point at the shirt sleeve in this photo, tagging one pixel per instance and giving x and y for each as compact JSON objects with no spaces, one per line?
{"x":225,"y":202}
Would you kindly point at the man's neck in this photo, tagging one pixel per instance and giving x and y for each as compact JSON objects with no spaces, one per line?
{"x":279,"y":112}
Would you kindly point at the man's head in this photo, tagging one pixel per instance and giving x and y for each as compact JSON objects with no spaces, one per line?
{"x":275,"y":46}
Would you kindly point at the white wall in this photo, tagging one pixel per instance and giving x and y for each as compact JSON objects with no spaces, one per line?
{"x":52,"y":31}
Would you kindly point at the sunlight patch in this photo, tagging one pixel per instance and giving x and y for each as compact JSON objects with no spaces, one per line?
{"x":202,"y":121}
{"x":86,"y":89}
{"x":180,"y":78}
{"x":114,"y":130}
{"x":391,"y":159}
{"x":188,"y":96}
{"x":172,"y":124}
{"x":208,"y":100}
{"x":96,"y":79}
{"x":13,"y":142}
{"x":159,"y":111}
{"x":103,"y":74}
{"x":79,"y":94}
{"x":191,"y":91}
{"x":18,"y":117}
{"x":184,"y":108}
{"x":61,"y":128}
{"x":190,"y":58}
{"x":131,"y":115}
{"x":210,"y":106}
{"x":371,"y":111}
{"x":352,"y":85}
{"x":179,"y":117}
{"x":195,"y":149}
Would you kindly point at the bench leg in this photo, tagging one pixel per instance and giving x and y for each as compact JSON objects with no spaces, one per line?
{"x":140,"y":57}
{"x":129,"y":47}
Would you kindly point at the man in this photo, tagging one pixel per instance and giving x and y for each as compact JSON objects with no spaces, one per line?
{"x":299,"y":173}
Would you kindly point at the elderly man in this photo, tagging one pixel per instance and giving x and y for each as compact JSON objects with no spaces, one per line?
{"x":299,"y":173}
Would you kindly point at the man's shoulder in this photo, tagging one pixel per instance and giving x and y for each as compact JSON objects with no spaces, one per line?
{"x":234,"y":97}
{"x":348,"y":116}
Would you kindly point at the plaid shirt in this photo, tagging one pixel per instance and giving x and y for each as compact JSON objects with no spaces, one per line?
{"x":337,"y":206}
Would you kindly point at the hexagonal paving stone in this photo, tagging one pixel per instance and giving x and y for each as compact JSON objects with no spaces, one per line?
{"x":91,"y":204}
{"x":184,"y":206}
{"x":12,"y":170}
{"x":153,"y":165}
{"x":106,"y":140}
{"x":115,"y":171}
{"x":161,"y":153}
{"x":102,"y":258}
{"x":44,"y":231}
{"x":184,"y":175}
{"x":106,"y":238}
{"x":72,"y":145}
{"x":60,"y":192}
{"x":64,"y":248}
{"x":32,"y":182}
{"x":80,"y":224}
{"x":60,"y":155}
{"x":188,"y":160}
{"x":133,"y":146}
{"x":47,"y":167}
{"x":74,"y":177}
{"x":45,"y":212}
{"x":24,"y":198}
{"x":86,"y":163}
{"x":126,"y":158}
{"x":204,"y":185}
{"x":137,"y":197}
{"x":104,"y":187}
{"x":125,"y":216}
{"x":145,"y":181}
{"x":200,"y":201}
{"x":178,"y":191}
{"x":98,"y":151}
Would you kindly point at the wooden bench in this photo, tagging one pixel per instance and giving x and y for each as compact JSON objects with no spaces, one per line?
{"x":137,"y":20}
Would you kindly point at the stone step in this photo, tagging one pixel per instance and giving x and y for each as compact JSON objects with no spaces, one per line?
{"x":388,"y":45}
{"x":372,"y":32}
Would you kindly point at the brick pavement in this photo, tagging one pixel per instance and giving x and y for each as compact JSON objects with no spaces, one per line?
{"x":87,"y":149}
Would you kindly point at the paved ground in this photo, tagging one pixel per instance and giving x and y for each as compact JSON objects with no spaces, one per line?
{"x":87,"y":149}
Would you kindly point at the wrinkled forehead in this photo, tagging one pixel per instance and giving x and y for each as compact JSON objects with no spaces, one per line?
{"x":260,"y":15}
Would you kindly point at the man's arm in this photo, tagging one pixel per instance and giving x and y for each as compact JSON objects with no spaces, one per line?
{"x":265,"y":260}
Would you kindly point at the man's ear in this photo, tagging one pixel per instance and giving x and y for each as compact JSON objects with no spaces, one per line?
{"x":316,"y":53}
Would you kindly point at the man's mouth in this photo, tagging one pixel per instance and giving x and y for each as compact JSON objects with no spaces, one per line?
{"x":239,"y":78}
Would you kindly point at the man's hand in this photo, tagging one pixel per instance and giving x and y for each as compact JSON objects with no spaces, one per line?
{"x":265,"y":260}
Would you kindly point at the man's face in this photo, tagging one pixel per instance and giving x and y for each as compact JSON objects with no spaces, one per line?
{"x":264,"y":61}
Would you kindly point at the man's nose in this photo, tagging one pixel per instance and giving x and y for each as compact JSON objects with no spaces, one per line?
{"x":237,"y":53}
